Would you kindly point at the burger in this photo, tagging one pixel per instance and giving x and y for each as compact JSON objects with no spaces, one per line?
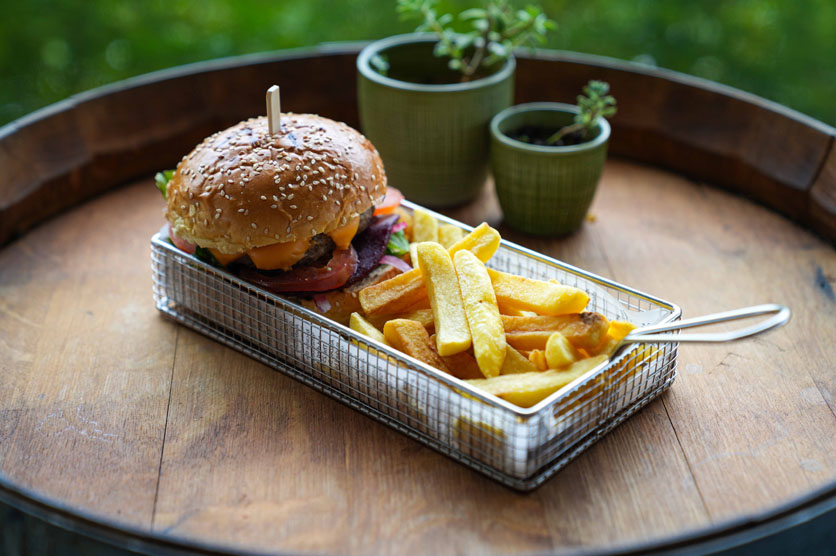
{"x":304,"y":212}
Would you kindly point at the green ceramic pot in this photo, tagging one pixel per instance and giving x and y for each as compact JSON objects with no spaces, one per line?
{"x":430,"y":129}
{"x":545,"y":190}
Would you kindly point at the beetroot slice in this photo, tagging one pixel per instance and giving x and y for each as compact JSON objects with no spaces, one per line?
{"x":370,"y":245}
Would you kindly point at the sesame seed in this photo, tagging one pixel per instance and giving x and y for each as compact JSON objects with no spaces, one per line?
{"x":324,"y":197}
{"x":293,"y":206}
{"x":274,"y":206}
{"x":240,"y":210}
{"x":253,"y":225}
{"x":290,"y":197}
{"x":310,"y":217}
{"x":275,"y":198}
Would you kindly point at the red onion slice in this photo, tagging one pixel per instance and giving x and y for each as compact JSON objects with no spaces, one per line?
{"x":322,"y":303}
{"x":392,"y":260}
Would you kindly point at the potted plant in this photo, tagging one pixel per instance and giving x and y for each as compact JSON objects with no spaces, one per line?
{"x":426,"y":98}
{"x":547,"y":158}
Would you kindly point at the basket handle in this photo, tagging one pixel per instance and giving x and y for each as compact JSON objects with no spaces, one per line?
{"x":781,"y":315}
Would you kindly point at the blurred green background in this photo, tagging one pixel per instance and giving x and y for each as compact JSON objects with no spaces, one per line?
{"x":783,"y":50}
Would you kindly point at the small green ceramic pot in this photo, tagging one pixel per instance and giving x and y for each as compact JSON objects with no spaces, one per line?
{"x":430,"y":129}
{"x":545,"y":190}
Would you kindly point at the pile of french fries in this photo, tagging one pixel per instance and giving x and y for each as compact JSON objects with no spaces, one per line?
{"x":514,"y":337}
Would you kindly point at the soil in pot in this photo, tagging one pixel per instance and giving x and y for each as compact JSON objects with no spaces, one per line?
{"x":536,"y":135}
{"x":442,"y":76}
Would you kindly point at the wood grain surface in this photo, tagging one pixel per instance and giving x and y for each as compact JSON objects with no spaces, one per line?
{"x":113,"y":410}
{"x":110,"y":410}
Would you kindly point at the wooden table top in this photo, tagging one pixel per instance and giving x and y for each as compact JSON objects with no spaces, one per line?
{"x":115,"y":413}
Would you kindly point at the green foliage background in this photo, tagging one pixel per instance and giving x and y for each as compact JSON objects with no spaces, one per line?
{"x":784,"y":50}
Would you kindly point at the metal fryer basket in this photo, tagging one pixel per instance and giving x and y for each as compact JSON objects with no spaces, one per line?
{"x":519,"y":447}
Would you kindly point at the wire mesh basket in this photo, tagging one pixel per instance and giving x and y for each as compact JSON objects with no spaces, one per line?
{"x":519,"y":447}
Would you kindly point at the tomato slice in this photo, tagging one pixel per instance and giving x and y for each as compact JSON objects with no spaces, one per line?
{"x":391,"y":201}
{"x":308,"y":278}
{"x":181,"y":243}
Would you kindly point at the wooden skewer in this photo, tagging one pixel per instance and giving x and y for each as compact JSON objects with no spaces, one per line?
{"x":274,"y":110}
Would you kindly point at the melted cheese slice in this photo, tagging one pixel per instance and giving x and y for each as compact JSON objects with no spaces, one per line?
{"x":285,"y":255}
{"x":279,"y":255}
{"x":343,"y":235}
{"x":224,"y":258}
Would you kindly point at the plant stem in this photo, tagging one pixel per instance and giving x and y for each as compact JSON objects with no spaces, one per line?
{"x":562,"y":132}
{"x":473,"y":65}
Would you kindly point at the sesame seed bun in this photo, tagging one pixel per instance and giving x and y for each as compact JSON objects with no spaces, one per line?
{"x":243,"y":188}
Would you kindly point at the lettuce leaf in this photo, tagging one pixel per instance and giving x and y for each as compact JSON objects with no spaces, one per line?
{"x":398,"y":244}
{"x":162,"y":179}
{"x":206,"y":256}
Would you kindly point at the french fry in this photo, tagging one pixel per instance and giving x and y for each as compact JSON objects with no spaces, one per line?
{"x":424,"y":316}
{"x":394,"y":296}
{"x":516,"y":363}
{"x":619,"y":329}
{"x":451,"y":328}
{"x":528,"y":389}
{"x":538,"y":359}
{"x":528,"y":341}
{"x":584,"y":330}
{"x":413,"y":252}
{"x":615,"y":333}
{"x":411,"y":338}
{"x":560,"y":352}
{"x":481,"y":311}
{"x":448,"y":235}
{"x":424,"y":226}
{"x":483,"y":242}
{"x":461,"y":365}
{"x":361,"y":325}
{"x":517,"y":293}
{"x":405,"y":291}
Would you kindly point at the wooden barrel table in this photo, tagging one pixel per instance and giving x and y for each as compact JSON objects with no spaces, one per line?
{"x":121,"y":430}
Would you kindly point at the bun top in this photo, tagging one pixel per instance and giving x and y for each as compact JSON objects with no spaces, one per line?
{"x":243,"y":188}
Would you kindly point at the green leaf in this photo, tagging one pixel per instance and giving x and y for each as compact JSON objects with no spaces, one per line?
{"x":473,"y":13}
{"x":206,"y":256}
{"x":445,"y":19}
{"x":398,"y":245}
{"x":162,"y":179}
